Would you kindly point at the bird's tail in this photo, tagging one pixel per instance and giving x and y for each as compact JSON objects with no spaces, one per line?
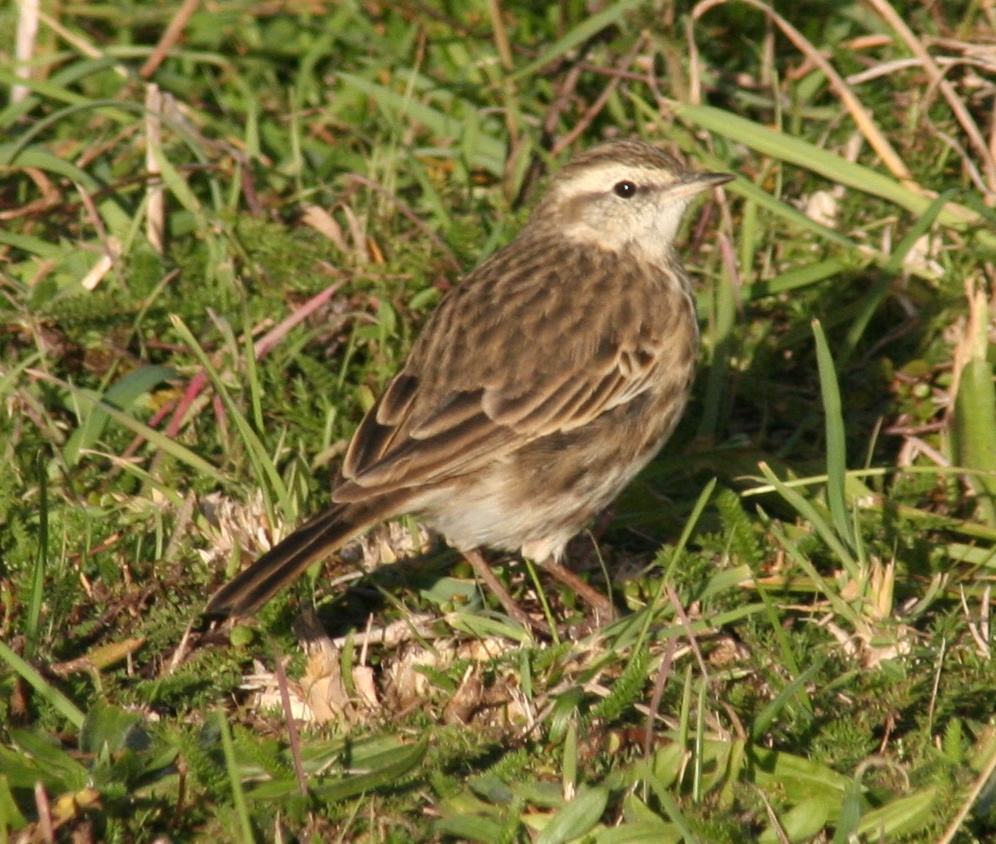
{"x":316,"y":538}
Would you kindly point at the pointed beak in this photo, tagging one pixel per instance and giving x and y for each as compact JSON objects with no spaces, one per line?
{"x":696,"y":183}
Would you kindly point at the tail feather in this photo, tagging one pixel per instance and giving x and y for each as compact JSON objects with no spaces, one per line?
{"x":316,"y":538}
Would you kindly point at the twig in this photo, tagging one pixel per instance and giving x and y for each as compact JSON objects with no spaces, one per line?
{"x":859,"y":114}
{"x":655,"y":699}
{"x":24,"y":48}
{"x":980,"y":783}
{"x":892,"y":18}
{"x":293,"y":740}
{"x":169,"y":39}
{"x":410,"y":214}
{"x":596,"y":107}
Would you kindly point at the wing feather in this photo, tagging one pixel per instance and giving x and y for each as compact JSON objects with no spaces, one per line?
{"x":537,"y":362}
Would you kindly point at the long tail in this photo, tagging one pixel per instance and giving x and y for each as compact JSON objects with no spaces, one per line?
{"x":316,"y":538}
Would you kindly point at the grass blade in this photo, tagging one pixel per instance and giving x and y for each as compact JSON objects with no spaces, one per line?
{"x":836,"y":441}
{"x":802,"y":153}
{"x":62,"y":704}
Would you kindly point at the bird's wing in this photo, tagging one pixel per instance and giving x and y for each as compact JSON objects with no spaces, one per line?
{"x":502,"y":365}
{"x":469,"y":428}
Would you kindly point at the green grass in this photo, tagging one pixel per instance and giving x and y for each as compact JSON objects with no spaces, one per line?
{"x":203,"y":292}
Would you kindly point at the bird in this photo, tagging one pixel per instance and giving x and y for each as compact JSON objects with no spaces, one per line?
{"x":540,"y":386}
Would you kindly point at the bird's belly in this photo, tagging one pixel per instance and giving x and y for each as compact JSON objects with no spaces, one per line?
{"x":537,"y":498}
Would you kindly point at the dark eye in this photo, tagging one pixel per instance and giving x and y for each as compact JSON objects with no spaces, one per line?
{"x":625,"y":189}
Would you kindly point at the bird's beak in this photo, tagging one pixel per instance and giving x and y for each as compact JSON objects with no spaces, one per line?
{"x":698,"y":182}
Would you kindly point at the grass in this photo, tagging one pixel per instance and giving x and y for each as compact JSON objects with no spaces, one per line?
{"x":223,"y":227}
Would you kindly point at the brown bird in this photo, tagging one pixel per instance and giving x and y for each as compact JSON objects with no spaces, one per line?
{"x":540,"y":386}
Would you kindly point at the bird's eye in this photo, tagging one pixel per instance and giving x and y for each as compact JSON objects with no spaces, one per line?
{"x":625,"y":189}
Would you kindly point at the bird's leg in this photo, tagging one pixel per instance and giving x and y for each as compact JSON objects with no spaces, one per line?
{"x":483,"y":571}
{"x":601,"y":604}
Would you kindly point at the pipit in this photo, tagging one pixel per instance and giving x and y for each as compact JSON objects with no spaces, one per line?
{"x":539,"y":387}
